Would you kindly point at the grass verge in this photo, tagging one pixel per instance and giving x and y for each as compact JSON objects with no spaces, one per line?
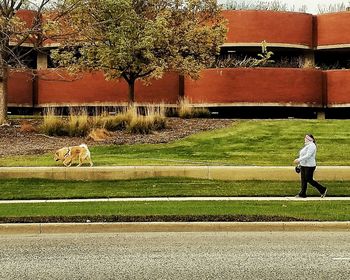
{"x":177,"y":211}
{"x":166,"y":211}
{"x":155,"y":187}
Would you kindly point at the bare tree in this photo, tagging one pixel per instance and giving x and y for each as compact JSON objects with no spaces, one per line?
{"x":20,"y":36}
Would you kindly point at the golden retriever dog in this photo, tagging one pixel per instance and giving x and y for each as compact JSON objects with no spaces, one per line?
{"x":68,"y":154}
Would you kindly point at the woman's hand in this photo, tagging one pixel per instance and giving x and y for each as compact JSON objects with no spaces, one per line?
{"x":296,"y":161}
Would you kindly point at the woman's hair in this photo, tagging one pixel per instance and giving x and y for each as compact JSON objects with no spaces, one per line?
{"x":311,"y":136}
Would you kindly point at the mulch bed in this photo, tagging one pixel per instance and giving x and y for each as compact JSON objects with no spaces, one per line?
{"x":15,"y":141}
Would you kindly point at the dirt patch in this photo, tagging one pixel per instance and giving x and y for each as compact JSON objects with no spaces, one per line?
{"x":14,"y":140}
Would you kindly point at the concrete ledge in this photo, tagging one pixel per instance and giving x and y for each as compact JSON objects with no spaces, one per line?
{"x":275,"y":173}
{"x":65,"y":228}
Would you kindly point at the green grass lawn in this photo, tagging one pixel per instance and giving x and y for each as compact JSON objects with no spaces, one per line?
{"x":155,"y":187}
{"x":311,"y":210}
{"x":251,"y":142}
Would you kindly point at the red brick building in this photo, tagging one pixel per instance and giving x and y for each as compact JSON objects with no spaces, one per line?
{"x":316,"y":39}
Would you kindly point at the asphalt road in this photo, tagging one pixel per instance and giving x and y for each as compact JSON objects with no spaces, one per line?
{"x":225,"y":255}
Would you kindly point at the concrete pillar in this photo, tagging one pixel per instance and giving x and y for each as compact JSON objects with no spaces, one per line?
{"x":41,"y":61}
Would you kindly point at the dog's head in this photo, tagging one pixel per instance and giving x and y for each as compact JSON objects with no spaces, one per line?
{"x":61,"y":154}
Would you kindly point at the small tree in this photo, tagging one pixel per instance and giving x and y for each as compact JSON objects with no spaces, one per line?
{"x":15,"y":33}
{"x":141,"y":39}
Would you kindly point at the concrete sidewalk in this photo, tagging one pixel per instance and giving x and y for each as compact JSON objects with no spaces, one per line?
{"x":274,"y":173}
{"x":169,"y":199}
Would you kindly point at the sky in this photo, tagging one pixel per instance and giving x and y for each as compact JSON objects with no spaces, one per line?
{"x":312,"y":5}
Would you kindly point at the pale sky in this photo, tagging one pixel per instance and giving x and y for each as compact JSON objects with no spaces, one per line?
{"x":312,"y":5}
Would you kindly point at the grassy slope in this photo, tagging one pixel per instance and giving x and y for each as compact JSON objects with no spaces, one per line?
{"x":256,"y":142}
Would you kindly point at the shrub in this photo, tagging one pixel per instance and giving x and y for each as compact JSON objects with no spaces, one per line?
{"x":332,"y":8}
{"x":274,"y":5}
{"x":264,"y":57}
{"x":239,"y":61}
{"x":111,"y":123}
{"x":195,"y":113}
{"x":159,"y":122}
{"x":234,"y":61}
{"x":187,"y":111}
{"x":140,"y":125}
{"x":53,"y":125}
{"x":153,"y":118}
{"x":157,"y":116}
{"x":78,"y":124}
{"x":201,"y":112}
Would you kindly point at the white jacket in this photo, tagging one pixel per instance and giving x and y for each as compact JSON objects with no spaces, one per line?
{"x":307,"y":155}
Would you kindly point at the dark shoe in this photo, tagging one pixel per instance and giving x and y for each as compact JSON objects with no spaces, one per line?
{"x":300,"y":196}
{"x":324,"y":194}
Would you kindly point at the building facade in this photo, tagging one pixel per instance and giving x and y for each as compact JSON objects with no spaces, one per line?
{"x":319,"y":85}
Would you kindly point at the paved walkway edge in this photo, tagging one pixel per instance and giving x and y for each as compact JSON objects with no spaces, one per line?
{"x":282,"y":173}
{"x":76,"y":228}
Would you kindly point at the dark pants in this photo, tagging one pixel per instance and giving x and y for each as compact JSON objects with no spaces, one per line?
{"x":307,"y":174}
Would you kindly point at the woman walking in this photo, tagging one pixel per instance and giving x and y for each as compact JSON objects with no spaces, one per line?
{"x":307,"y":162}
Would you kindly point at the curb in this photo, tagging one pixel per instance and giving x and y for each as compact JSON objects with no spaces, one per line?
{"x":82,"y":228}
{"x":279,"y":173}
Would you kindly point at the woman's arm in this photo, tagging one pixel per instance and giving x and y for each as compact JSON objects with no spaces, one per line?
{"x":309,"y":153}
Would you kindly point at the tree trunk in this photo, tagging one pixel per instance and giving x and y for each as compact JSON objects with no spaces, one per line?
{"x":3,"y":95}
{"x":131,"y":95}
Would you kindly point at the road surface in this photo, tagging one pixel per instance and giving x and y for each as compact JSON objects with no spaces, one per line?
{"x":210,"y":255}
